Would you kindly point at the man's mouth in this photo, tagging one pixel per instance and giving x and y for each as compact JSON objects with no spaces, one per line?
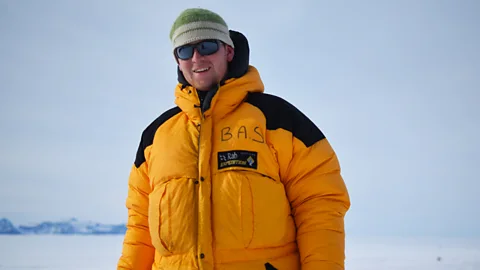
{"x":200,"y":70}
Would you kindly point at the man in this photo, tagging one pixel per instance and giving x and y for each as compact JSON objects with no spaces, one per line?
{"x":231,"y":178}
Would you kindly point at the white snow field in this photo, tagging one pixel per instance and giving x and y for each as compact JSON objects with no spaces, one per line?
{"x":72,"y":252}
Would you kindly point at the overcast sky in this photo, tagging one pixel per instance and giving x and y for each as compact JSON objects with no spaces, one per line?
{"x":394,"y":85}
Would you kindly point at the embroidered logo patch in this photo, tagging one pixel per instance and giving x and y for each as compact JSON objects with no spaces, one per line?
{"x":237,"y":158}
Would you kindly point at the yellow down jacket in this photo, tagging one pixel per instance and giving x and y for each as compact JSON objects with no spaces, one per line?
{"x":243,"y":181}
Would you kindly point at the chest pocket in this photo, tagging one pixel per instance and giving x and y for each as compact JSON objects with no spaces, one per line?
{"x":248,"y":196}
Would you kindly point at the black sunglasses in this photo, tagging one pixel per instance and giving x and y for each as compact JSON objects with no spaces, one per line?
{"x":205,"y":47}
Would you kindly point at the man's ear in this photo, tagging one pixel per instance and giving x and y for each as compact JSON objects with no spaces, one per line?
{"x":230,"y":53}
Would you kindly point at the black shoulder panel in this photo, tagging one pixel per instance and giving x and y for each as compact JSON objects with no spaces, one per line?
{"x":281,"y":114}
{"x":149,"y":133}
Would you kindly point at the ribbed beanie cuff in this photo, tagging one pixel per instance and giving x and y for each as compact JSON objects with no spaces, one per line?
{"x":199,"y":24}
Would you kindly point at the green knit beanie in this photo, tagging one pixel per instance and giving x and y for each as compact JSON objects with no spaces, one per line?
{"x":197,"y":24}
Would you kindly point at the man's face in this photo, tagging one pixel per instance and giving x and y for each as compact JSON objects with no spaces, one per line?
{"x":204,"y":65}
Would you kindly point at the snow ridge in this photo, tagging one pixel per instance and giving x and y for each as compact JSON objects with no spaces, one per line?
{"x":71,"y":226}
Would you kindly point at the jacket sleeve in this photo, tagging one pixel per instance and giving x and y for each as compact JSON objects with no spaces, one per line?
{"x":318,"y":196}
{"x":138,"y":252}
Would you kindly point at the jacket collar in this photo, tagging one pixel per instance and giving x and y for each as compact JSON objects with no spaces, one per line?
{"x":220,"y":101}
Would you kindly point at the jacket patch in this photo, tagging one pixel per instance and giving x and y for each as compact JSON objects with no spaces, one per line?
{"x":237,"y":158}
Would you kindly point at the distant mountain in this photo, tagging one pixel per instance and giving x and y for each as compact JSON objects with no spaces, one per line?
{"x":7,"y":227}
{"x":72,"y":226}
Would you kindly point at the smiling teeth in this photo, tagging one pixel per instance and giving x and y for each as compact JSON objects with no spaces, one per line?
{"x":201,"y":70}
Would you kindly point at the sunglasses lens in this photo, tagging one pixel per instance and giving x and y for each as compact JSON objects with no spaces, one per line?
{"x":207,"y":47}
{"x":204,"y":48}
{"x":185,"y":52}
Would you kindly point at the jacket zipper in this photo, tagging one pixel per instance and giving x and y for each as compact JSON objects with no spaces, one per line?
{"x":203,"y":107}
{"x":197,"y":190}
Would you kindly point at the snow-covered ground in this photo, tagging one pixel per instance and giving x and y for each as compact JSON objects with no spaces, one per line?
{"x":76,"y":252}
{"x":413,"y":254}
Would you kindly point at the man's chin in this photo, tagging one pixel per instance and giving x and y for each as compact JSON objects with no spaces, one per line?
{"x":204,"y":86}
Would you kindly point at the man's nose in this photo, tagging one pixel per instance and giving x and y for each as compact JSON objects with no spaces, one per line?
{"x":196,"y":55}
